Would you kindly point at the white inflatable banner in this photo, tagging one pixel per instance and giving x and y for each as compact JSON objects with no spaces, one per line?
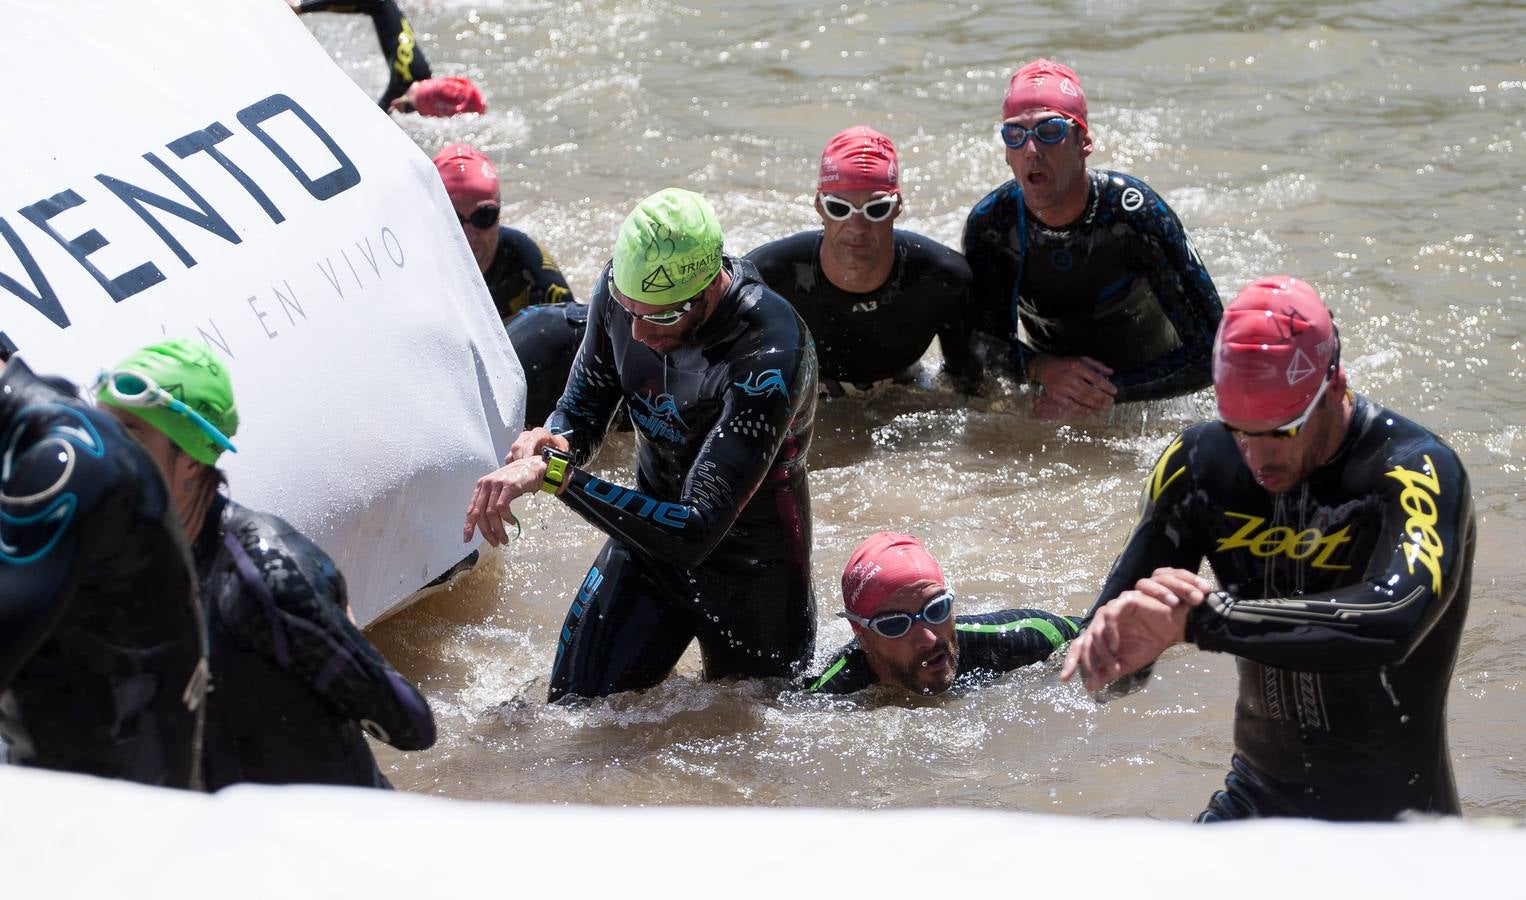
{"x":179,"y":171}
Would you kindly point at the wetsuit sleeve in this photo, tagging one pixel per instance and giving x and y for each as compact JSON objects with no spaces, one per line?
{"x":59,"y":474}
{"x":847,"y":673}
{"x":954,"y":337}
{"x":1417,"y":569}
{"x":1164,"y":535}
{"x":1010,"y":639}
{"x":735,"y":456}
{"x":993,"y":246}
{"x":593,"y":393}
{"x":300,"y":621}
{"x":405,"y":61}
{"x":1188,"y":298}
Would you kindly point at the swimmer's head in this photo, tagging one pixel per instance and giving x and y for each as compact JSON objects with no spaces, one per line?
{"x":441,"y":97}
{"x":471,"y":182}
{"x":901,"y":610}
{"x":191,"y":375}
{"x":1047,"y":85}
{"x":1278,"y":380}
{"x":1275,"y":346}
{"x":858,"y":159}
{"x":668,"y":249}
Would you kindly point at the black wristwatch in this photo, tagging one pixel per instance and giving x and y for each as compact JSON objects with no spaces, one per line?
{"x":557,"y":464}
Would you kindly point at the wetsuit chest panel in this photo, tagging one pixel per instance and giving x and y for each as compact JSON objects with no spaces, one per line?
{"x":866,"y":337}
{"x":522,"y":275}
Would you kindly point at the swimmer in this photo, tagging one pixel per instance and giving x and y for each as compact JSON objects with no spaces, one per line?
{"x":873,"y":296}
{"x":713,"y":543}
{"x":546,"y":340}
{"x":405,"y":58}
{"x":518,"y":272}
{"x":1342,"y":536}
{"x":905,"y":633}
{"x":294,"y":682}
{"x":1085,"y":277}
{"x":440,"y":98}
{"x":103,"y":663}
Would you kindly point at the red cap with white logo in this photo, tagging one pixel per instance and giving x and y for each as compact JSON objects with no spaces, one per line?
{"x":1045,"y":84}
{"x":1273,"y":350}
{"x":885,"y":563}
{"x":858,"y":159}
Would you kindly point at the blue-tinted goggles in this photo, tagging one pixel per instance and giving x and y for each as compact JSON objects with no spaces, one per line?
{"x":1049,"y":131}
{"x":898,"y":624}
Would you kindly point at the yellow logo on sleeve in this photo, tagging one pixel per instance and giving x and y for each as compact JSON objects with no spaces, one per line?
{"x":1418,"y":499}
{"x":1159,"y":480}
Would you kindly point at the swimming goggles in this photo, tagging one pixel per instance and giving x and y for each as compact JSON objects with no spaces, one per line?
{"x":1049,"y":131}
{"x":481,"y":217}
{"x":140,"y":392}
{"x":877,"y":210}
{"x":897,"y":624}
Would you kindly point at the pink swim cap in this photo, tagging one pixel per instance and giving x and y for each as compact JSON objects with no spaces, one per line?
{"x":1274,"y":346}
{"x":448,"y":97}
{"x":858,"y":159}
{"x":467,"y":173}
{"x":1045,"y":84}
{"x":883,"y":564}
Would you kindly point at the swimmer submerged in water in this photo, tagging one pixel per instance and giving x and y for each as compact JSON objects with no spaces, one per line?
{"x":907,"y":636}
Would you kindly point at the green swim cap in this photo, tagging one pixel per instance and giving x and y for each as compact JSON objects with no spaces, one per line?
{"x":669,"y":248}
{"x":189,"y":372}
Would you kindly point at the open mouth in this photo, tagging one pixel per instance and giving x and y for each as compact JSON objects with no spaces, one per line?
{"x":936,"y":662}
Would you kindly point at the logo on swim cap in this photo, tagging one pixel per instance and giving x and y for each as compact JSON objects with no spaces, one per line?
{"x":191,"y":374}
{"x":668,"y":249}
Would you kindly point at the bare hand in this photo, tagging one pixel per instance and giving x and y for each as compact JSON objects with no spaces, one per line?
{"x":1131,"y":631}
{"x":1078,"y":384}
{"x":489,"y":508}
{"x":528,"y":444}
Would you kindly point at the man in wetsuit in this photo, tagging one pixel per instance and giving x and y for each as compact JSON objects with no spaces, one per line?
{"x":905,"y":633}
{"x":714,"y":541}
{"x":294,"y":682}
{"x":103,"y":663}
{"x":405,"y":59}
{"x":517,"y":271}
{"x":1342,"y":537}
{"x":1113,"y":302}
{"x":873,"y":296}
{"x":546,"y":340}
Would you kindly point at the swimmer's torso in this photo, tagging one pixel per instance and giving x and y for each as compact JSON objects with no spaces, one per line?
{"x":522,"y":275}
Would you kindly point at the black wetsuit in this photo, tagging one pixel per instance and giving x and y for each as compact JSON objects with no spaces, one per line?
{"x":523,"y":275}
{"x":868,"y":337}
{"x":293,"y":680}
{"x":405,"y":59}
{"x":1344,"y":600}
{"x":102,"y":655}
{"x":988,"y":642}
{"x":714,"y":542}
{"x":1122,"y":284}
{"x":546,"y":339}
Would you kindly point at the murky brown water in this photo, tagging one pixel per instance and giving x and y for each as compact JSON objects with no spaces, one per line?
{"x":1376,"y":149}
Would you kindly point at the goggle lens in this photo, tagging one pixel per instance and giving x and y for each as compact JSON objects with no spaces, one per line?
{"x":894,"y":625}
{"x":482,"y":216}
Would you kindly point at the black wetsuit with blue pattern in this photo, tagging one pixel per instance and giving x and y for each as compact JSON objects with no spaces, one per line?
{"x":714,"y":541}
{"x":405,"y":60}
{"x":1344,"y":600}
{"x":993,"y":642}
{"x":1122,"y":284}
{"x":102,"y":651}
{"x":294,"y":682}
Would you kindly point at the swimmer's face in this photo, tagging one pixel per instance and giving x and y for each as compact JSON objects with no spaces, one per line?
{"x":1280,"y":464}
{"x":925,"y":659}
{"x":856,"y":242}
{"x":483,"y":241}
{"x":1051,"y":175}
{"x":665,"y":339}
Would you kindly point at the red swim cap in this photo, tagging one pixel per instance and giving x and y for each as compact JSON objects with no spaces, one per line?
{"x":1274,"y":346}
{"x":883,"y":564}
{"x":447,"y":97}
{"x":467,"y":173}
{"x":1045,"y":84}
{"x":858,"y":159}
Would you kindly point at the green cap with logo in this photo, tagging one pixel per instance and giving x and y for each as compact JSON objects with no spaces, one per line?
{"x":669,"y":248}
{"x":189,"y":373}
